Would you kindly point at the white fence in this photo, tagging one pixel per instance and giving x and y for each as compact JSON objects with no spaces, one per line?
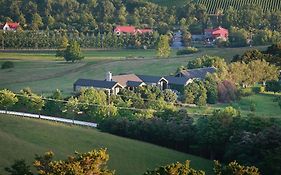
{"x":44,"y":117}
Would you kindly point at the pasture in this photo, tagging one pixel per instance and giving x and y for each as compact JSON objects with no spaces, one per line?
{"x":23,"y":138}
{"x":43,"y":72}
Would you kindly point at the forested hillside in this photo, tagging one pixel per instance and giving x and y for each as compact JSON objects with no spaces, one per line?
{"x":84,"y":15}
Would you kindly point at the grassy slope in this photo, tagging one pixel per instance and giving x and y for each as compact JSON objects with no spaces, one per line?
{"x":43,"y":74}
{"x":22,"y":138}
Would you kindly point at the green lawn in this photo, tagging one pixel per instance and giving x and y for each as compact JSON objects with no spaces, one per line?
{"x":264,"y":106}
{"x":44,"y":73}
{"x":23,"y":138}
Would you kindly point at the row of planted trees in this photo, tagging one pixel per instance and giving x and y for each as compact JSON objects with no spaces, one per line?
{"x":91,"y":104}
{"x":53,"y":39}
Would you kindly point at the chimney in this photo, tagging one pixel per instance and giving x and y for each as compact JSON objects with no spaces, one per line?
{"x":108,"y":76}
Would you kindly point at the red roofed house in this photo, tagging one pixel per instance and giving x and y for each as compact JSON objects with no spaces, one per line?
{"x":11,"y":26}
{"x":130,"y":30}
{"x":216,"y":33}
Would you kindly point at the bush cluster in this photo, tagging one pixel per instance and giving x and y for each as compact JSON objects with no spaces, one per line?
{"x":188,"y":50}
{"x":7,"y":65}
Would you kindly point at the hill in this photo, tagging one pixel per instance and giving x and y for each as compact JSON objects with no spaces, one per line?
{"x":22,"y":138}
{"x":213,"y":5}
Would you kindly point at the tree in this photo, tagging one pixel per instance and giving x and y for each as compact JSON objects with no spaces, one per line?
{"x":62,"y":46}
{"x":19,"y":168}
{"x":163,"y":47}
{"x":30,"y":101}
{"x":233,"y":168}
{"x":96,"y":104}
{"x":37,"y":22}
{"x":201,"y":98}
{"x":93,"y":162}
{"x":212,"y":89}
{"x":169,"y":96}
{"x":227,"y":91}
{"x":72,"y":107}
{"x":54,"y":107}
{"x":176,"y":169}
{"x":73,"y":52}
{"x":7,"y":99}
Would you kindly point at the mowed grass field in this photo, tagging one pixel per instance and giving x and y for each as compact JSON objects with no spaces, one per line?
{"x":44,"y":73}
{"x":264,"y":106}
{"x":23,"y":138}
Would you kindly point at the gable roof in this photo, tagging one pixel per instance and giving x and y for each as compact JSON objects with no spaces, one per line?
{"x":13,"y":25}
{"x":145,"y":30}
{"x":216,"y":30}
{"x":198,"y":73}
{"x":123,"y":79}
{"x":125,"y":29}
{"x":96,"y":83}
{"x":135,"y":83}
{"x":150,"y":79}
{"x":177,"y":80}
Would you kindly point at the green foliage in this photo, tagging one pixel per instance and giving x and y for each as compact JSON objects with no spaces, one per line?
{"x":244,"y":92}
{"x":19,"y":168}
{"x":176,"y":168}
{"x":273,"y":86}
{"x":212,"y":89}
{"x":37,"y":22}
{"x":195,"y":93}
{"x":163,"y":47}
{"x":73,"y":52}
{"x":93,"y":162}
{"x":233,"y":168}
{"x":7,"y":99}
{"x":29,"y":101}
{"x":169,"y":96}
{"x":188,"y":50}
{"x":238,"y":37}
{"x":254,"y":72}
{"x":54,"y":107}
{"x":7,"y":65}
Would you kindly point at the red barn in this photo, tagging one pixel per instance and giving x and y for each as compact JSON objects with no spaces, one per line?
{"x":216,"y":33}
{"x":130,"y":30}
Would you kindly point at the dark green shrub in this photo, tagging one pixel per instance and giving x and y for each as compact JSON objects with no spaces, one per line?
{"x":259,"y":89}
{"x":188,"y":50}
{"x":244,"y":92}
{"x":7,"y":65}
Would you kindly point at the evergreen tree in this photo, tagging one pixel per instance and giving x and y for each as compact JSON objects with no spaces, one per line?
{"x":163,"y":46}
{"x":73,"y":52}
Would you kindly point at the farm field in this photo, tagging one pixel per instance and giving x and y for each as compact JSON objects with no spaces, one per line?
{"x":213,"y":5}
{"x":44,"y":73}
{"x":126,"y":156}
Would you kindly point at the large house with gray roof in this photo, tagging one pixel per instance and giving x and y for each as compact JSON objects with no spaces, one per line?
{"x":199,"y":73}
{"x":113,"y":84}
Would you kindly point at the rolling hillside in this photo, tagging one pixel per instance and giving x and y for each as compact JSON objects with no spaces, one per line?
{"x":23,"y":138}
